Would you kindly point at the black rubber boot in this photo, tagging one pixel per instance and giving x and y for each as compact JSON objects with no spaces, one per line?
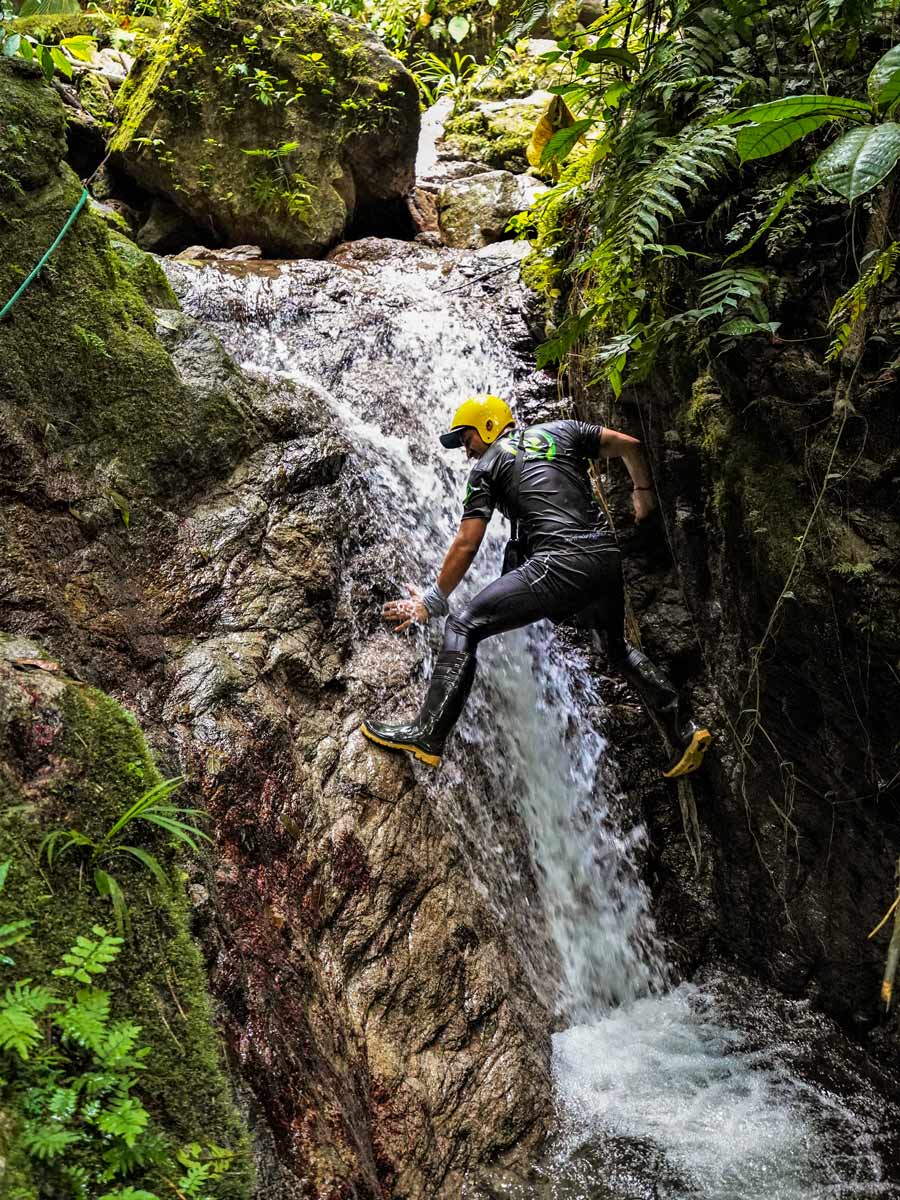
{"x":688,"y":739}
{"x":448,"y":691}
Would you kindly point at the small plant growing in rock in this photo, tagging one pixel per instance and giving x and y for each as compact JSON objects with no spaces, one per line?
{"x":153,"y":806}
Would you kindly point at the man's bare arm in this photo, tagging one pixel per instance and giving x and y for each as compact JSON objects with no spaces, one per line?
{"x":457,"y":561}
{"x":620,"y":445}
{"x":461,"y":554}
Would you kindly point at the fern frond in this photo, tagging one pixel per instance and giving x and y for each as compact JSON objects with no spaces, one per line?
{"x":12,"y":934}
{"x":85,"y":1020}
{"x":687,"y":164}
{"x":19,"y":1032}
{"x":126,"y":1120}
{"x":88,"y":957}
{"x":118,"y":1045}
{"x":850,"y":307}
{"x":44,"y":1143}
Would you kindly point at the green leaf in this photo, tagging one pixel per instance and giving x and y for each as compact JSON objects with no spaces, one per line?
{"x":741,"y":326}
{"x":152,"y":863}
{"x":45,"y":59}
{"x":68,"y":838}
{"x":108,"y":887}
{"x":564,"y":139}
{"x":61,"y":63}
{"x":11,"y":45}
{"x":121,"y":1039}
{"x":771,"y":137}
{"x":127,"y":1120}
{"x":18,"y":1030}
{"x":884,"y":79}
{"x":615,"y":54}
{"x":129,"y":1193}
{"x":458,"y":27}
{"x":4,"y":871}
{"x":772,"y":216}
{"x":798,"y":106}
{"x":13,"y":933}
{"x":859,"y":160}
{"x":81,"y":47}
{"x":87,"y":957}
{"x":161,"y":791}
{"x":84,"y":1021}
{"x":45,"y":1143}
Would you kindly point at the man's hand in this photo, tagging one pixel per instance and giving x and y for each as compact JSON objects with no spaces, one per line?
{"x":644,"y":504}
{"x":406,"y":612}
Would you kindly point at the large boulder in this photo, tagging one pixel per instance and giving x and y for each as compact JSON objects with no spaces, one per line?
{"x":495,"y":132}
{"x":276,"y":124}
{"x":476,"y":210}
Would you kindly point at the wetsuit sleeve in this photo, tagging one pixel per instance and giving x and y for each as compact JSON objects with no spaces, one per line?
{"x":587,"y":439}
{"x":479,"y":499}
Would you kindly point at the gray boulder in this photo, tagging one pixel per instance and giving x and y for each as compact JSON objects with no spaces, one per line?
{"x":475,"y":211}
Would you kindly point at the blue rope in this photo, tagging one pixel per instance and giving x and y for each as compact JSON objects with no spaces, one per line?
{"x":37,"y":270}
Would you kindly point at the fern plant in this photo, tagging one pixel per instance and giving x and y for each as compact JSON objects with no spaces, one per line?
{"x":71,"y":1067}
{"x":12,"y":932}
{"x":154,"y":807}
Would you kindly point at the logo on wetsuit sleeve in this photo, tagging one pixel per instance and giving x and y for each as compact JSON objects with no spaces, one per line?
{"x":539,"y":444}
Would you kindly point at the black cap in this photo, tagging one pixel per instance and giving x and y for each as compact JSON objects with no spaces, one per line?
{"x":453,"y":440}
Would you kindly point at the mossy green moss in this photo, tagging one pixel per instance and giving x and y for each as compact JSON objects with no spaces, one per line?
{"x":496,"y":133}
{"x":78,"y":760}
{"x":124,"y":411}
{"x":268,"y":123}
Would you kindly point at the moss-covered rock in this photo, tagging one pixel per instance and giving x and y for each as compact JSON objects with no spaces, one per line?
{"x":102,"y":395}
{"x":74,"y":759}
{"x":270,"y":124}
{"x":495,"y":133}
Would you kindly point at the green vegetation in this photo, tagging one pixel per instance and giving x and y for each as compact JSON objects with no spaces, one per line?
{"x":152,"y":807}
{"x":72,"y":1070}
{"x":113,"y":1087}
{"x":655,"y":89}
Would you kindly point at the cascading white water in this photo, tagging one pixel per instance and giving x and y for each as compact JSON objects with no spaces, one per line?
{"x":392,"y":340}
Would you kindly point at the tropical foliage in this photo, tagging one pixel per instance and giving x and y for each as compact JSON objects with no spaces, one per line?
{"x":154,"y":808}
{"x":680,"y":103}
{"x":72,"y":1069}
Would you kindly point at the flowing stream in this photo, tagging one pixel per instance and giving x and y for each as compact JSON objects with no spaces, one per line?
{"x":659,"y":1096}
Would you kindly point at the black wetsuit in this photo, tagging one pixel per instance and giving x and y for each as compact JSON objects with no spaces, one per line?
{"x":573,"y":564}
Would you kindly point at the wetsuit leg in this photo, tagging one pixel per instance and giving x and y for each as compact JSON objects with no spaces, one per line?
{"x":654,"y":688}
{"x":507,"y":603}
{"x":657,"y":692}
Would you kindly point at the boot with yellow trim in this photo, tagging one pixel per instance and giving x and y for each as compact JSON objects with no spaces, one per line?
{"x":448,"y":691}
{"x":689,"y":740}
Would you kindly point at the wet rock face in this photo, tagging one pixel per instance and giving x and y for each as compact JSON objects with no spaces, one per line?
{"x":382,"y":1030}
{"x":272,"y":124}
{"x":799,"y":833}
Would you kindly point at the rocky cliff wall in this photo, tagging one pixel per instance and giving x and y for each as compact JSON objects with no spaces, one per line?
{"x":193,"y":540}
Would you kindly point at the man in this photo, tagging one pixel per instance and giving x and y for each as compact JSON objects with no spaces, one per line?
{"x":574,"y":566}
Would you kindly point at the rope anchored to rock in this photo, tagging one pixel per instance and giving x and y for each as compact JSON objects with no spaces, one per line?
{"x":7,"y":307}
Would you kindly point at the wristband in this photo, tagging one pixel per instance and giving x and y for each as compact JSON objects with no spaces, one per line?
{"x":642,"y":489}
{"x":435,"y":601}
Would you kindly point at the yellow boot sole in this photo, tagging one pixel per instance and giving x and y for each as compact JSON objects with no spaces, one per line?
{"x":433,"y":760}
{"x":692,"y":756}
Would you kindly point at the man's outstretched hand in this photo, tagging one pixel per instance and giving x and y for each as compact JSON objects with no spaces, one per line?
{"x":404,"y":613}
{"x":644,"y":504}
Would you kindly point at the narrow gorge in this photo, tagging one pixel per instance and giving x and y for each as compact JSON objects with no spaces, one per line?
{"x":540,"y":972}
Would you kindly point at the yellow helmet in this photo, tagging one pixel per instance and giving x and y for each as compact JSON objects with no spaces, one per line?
{"x":488,"y":414}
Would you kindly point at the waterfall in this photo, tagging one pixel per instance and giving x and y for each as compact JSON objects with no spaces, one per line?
{"x":658,"y":1096}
